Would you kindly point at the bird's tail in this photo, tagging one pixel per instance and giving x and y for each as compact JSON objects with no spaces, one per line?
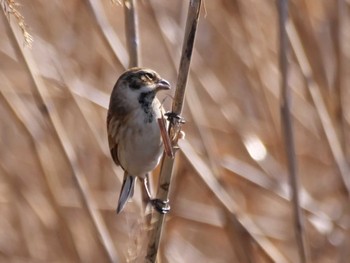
{"x":126,"y":192}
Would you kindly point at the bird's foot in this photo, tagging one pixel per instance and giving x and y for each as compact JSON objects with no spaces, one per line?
{"x":161,"y":206}
{"x":174,"y":118}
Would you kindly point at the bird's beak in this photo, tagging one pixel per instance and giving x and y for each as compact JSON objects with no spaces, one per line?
{"x":162,"y":84}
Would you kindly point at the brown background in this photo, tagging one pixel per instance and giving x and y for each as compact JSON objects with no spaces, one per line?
{"x":54,"y":152}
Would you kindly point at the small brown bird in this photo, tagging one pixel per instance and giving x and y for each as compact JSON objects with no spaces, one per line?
{"x":133,"y":132}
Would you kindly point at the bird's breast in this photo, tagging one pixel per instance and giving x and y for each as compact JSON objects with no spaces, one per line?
{"x":140,"y":147}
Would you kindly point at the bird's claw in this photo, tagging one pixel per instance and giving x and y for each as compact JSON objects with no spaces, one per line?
{"x":174,"y":118}
{"x":161,"y":206}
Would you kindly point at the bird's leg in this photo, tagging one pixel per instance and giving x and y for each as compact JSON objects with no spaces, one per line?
{"x":175,"y":133}
{"x":174,"y":118}
{"x":161,"y":206}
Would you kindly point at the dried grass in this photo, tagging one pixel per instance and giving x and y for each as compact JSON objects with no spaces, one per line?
{"x":230,"y":193}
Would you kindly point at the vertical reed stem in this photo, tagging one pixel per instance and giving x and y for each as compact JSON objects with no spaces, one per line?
{"x":132,"y":33}
{"x":167,"y":162}
{"x":288,"y":132}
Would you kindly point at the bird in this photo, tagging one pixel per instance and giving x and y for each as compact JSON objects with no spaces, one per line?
{"x":134,"y":136}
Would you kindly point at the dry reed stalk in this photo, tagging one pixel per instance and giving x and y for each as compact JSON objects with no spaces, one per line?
{"x":314,"y":89}
{"x":132,"y":33}
{"x":66,"y":78}
{"x":244,"y":232}
{"x":28,"y":124}
{"x":287,"y":129}
{"x":240,"y":221}
{"x":270,"y":185}
{"x":284,"y":194}
{"x":40,"y":92}
{"x":234,"y":225}
{"x":10,"y":9}
{"x":242,"y":242}
{"x":254,"y":70}
{"x":303,"y":106}
{"x":339,"y":81}
{"x":106,"y":31}
{"x":167,"y":162}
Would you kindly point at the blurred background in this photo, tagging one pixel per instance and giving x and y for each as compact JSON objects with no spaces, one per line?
{"x":230,"y":195}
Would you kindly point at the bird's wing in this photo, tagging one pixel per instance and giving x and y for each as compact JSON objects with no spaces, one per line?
{"x":112,"y":130}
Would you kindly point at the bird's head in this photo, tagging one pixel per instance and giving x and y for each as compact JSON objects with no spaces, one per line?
{"x":137,"y":83}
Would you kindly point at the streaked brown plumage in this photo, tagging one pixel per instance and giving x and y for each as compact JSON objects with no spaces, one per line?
{"x":133,"y":133}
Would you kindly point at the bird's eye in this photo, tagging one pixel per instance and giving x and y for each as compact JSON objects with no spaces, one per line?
{"x":149,"y":76}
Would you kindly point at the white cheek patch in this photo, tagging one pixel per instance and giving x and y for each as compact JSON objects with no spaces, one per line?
{"x":130,"y":96}
{"x":146,"y":89}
